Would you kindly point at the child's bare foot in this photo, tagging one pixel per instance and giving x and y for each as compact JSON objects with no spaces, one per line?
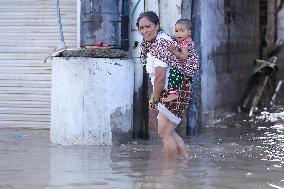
{"x":170,"y":98}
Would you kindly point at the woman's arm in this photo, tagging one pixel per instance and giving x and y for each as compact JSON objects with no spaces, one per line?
{"x":159,"y":81}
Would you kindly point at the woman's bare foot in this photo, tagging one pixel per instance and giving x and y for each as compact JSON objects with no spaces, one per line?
{"x":170,"y":98}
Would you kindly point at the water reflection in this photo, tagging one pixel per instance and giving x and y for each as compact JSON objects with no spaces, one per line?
{"x":219,"y":158}
{"x":85,"y":167}
{"x":151,"y":169}
{"x":128,"y":166}
{"x":240,"y":154}
{"x":24,"y":160}
{"x":272,"y":141}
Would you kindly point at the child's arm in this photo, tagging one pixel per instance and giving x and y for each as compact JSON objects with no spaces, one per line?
{"x":183,"y":54}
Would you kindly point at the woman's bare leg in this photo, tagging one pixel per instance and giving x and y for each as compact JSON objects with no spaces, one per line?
{"x":166,"y":132}
{"x":170,"y":146}
{"x":180,"y":145}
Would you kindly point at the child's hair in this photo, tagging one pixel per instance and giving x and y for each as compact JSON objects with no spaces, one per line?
{"x":186,"y":22}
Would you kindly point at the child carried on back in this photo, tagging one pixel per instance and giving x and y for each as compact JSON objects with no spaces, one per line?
{"x":181,"y":51}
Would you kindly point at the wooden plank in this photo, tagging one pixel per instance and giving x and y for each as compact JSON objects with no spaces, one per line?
{"x":24,"y":85}
{"x":23,"y":62}
{"x":13,"y":117}
{"x":26,"y":77}
{"x":24,"y":92}
{"x":10,"y":47}
{"x":9,"y":39}
{"x":28,"y":63}
{"x":33,"y":28}
{"x":25,"y":68}
{"x":25,"y":124}
{"x":23,"y":102}
{"x":27,"y":97}
{"x":24,"y":111}
{"x":33,"y":16}
{"x":17,"y":90}
{"x":25,"y":82}
{"x":23,"y":56}
{"x":5,"y":71}
{"x":21,"y":105}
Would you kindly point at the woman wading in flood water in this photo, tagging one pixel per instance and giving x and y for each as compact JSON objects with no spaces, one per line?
{"x":158,"y":59}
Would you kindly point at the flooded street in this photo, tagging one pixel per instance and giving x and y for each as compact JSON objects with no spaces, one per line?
{"x":240,"y":152}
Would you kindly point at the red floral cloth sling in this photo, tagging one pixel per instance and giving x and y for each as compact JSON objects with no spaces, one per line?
{"x":159,"y":49}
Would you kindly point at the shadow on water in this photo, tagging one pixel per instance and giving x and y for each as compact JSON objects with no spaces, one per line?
{"x":239,"y":152}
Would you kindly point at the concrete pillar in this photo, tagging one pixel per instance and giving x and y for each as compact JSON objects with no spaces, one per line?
{"x":140,"y":126}
{"x":91,"y":101}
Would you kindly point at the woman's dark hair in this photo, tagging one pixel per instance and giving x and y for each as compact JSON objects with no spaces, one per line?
{"x":152,"y":16}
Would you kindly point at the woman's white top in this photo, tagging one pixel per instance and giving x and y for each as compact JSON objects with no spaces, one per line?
{"x":153,"y":62}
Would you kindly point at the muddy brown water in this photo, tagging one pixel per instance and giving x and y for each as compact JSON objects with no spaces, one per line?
{"x":240,"y":152}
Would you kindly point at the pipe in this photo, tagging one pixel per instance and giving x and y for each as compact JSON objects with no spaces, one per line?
{"x":62,"y":42}
{"x":135,"y":7}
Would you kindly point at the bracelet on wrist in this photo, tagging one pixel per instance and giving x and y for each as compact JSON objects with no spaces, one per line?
{"x":156,"y":101}
{"x":153,"y":101}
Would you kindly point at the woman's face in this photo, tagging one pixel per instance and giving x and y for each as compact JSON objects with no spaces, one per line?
{"x":148,"y":29}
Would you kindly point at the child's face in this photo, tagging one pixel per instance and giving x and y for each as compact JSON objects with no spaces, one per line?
{"x":181,"y":32}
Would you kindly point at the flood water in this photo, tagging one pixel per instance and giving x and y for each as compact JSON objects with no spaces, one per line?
{"x":239,"y":152}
